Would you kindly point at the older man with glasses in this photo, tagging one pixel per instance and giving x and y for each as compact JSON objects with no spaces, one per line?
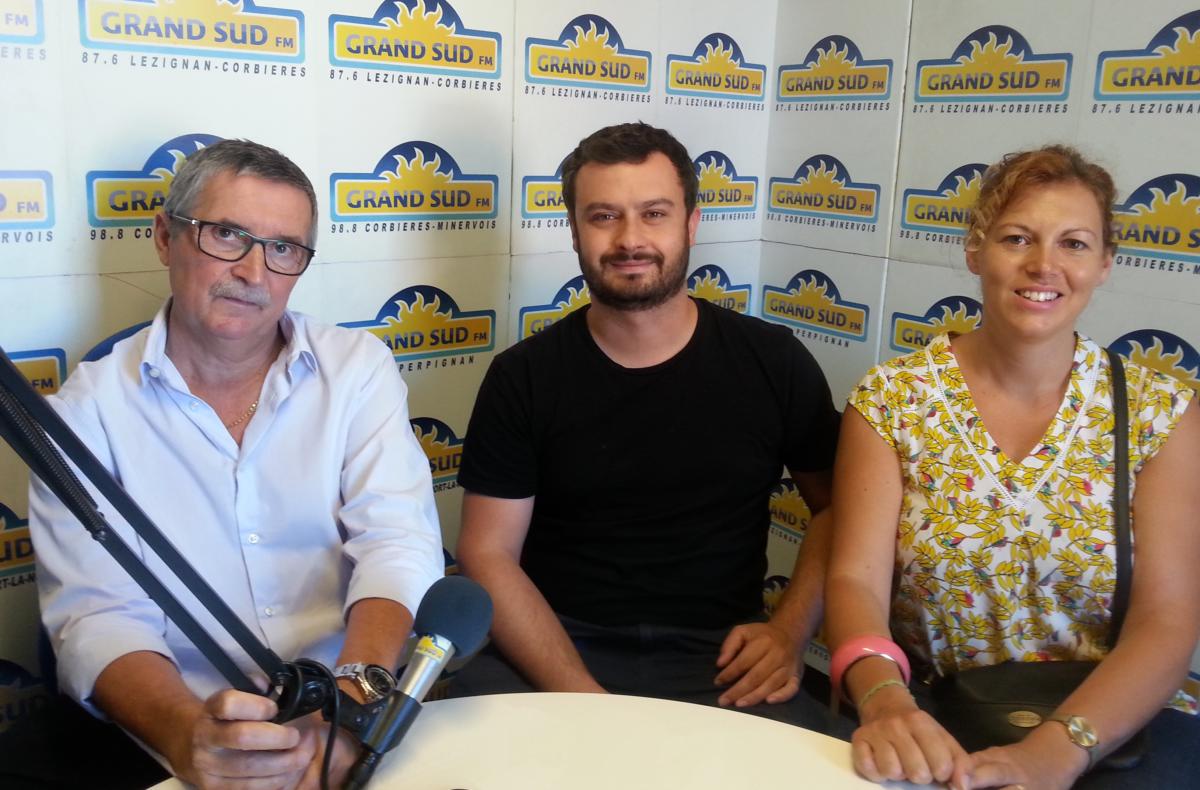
{"x":276,"y":454}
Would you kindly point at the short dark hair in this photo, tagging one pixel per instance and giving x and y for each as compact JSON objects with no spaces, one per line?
{"x":241,"y":157}
{"x":628,"y":142}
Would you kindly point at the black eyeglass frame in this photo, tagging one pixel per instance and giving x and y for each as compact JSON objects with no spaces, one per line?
{"x":200,"y":224}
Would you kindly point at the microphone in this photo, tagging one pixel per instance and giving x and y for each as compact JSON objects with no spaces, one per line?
{"x":453,"y":619}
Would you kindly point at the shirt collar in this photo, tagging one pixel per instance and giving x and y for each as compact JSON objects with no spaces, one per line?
{"x":297,"y":349}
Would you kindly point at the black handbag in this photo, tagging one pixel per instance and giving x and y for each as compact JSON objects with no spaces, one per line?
{"x":997,"y":705}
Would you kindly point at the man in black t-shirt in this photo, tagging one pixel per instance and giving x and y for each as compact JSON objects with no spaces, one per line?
{"x":618,"y":465}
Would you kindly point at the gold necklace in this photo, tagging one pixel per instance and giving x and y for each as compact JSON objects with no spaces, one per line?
{"x":249,"y":413}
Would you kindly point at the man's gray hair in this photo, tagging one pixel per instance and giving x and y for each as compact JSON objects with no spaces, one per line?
{"x":241,"y":157}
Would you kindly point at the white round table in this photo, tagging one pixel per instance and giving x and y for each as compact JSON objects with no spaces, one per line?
{"x":600,"y":742}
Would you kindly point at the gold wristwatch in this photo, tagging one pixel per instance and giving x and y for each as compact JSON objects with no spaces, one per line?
{"x":1081,"y":732}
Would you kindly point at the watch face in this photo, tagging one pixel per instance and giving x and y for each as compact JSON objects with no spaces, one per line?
{"x":1082,"y":732}
{"x":379,"y":679}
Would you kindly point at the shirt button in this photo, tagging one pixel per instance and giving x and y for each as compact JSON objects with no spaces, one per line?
{"x":269,"y":611}
{"x":252,"y":537}
{"x":195,"y":405}
{"x":154,"y":373}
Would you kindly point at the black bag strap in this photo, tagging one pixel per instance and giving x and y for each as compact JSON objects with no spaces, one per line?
{"x":1120,"y":602}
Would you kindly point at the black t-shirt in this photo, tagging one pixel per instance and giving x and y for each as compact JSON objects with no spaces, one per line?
{"x":651,"y":484}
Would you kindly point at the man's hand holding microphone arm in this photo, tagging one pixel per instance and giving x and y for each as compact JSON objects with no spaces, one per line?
{"x":525,"y":628}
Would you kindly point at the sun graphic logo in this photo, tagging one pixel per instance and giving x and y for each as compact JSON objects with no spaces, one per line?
{"x":443,"y":449}
{"x":773,"y":589}
{"x":721,"y":188}
{"x":414,"y":180}
{"x":16,"y":549}
{"x":1161,"y":218}
{"x":811,"y":301}
{"x":420,"y":36}
{"x":422,"y":322}
{"x":21,"y":694}
{"x":789,"y":512}
{"x":570,"y":297}
{"x":26,"y":199}
{"x":214,"y":28}
{"x":994,"y":63}
{"x":711,"y":283}
{"x":588,"y":52}
{"x":835,"y":70}
{"x":22,"y":22}
{"x":946,"y":209}
{"x":542,"y":196}
{"x":822,"y":187}
{"x":716,"y":68}
{"x":1162,"y":351}
{"x":955,"y":314}
{"x":131,"y":198}
{"x":45,"y":368}
{"x":1166,"y":68}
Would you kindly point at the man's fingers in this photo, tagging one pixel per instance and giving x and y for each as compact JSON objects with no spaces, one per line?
{"x":231,"y":705}
{"x":245,"y":736}
{"x":784,"y":692}
{"x":732,"y":644}
{"x":747,"y":659}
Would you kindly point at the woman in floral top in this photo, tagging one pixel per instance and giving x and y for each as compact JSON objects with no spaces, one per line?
{"x":973,"y":503}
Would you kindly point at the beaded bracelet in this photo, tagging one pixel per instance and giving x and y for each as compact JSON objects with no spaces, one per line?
{"x":880,"y":686}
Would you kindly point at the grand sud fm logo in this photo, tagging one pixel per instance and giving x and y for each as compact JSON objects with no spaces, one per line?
{"x":424,"y":322}
{"x":811,"y":301}
{"x":716,"y":68}
{"x":721,"y":189}
{"x":1168,"y":67}
{"x":789,"y":512}
{"x":44,"y":368}
{"x":587,"y":53}
{"x":26,"y":199}
{"x":413,"y":181}
{"x":22,"y":22}
{"x":835,"y":70}
{"x":443,"y":449}
{"x":16,"y":548}
{"x":541,"y":196}
{"x":822,"y":187}
{"x":240,"y":29}
{"x":1161,"y":219}
{"x":21,"y":694}
{"x":957,"y":314}
{"x":1162,"y":351}
{"x":131,"y":198}
{"x":712,"y":283}
{"x":570,"y":297}
{"x":994,"y":63}
{"x":421,"y":36}
{"x":947,"y":208}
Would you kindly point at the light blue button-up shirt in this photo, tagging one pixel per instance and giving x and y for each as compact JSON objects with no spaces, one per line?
{"x":328,"y":500}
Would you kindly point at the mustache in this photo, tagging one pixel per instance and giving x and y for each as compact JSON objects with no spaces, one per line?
{"x":624,"y":257}
{"x":232,"y":289}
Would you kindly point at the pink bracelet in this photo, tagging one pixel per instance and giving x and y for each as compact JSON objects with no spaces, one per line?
{"x":856,"y":649}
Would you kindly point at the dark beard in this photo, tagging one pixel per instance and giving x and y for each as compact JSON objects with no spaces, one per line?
{"x":669,"y":283}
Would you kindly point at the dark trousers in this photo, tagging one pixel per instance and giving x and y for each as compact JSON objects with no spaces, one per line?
{"x":666,"y":662}
{"x":63,"y":746}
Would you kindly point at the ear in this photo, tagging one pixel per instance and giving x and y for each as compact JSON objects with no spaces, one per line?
{"x":973,"y":263}
{"x":692,"y":224}
{"x":1107,"y":270}
{"x":162,"y":236}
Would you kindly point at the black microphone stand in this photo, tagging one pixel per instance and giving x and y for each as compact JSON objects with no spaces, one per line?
{"x":27,"y":424}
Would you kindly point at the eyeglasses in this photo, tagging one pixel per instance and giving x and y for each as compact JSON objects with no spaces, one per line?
{"x":232,"y":244}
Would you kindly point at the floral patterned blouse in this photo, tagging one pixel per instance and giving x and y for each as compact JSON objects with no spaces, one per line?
{"x":1000,"y":559}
